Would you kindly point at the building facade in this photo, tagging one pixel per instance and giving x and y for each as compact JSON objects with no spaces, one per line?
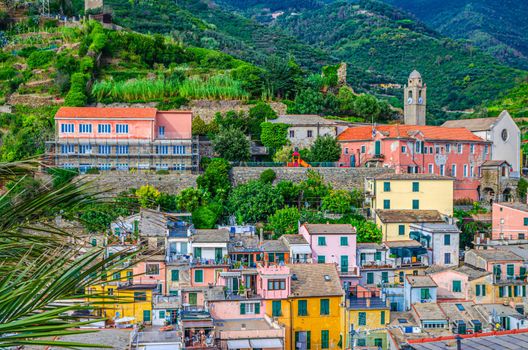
{"x":123,"y":139}
{"x":509,"y":222}
{"x":303,"y":129}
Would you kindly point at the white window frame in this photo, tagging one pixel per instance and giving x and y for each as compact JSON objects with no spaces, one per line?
{"x":453,"y":170}
{"x":121,"y":128}
{"x":430,"y":168}
{"x":104,"y":128}
{"x":466,"y":169}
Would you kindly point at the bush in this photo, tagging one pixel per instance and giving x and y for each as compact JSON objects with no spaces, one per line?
{"x":87,"y":64}
{"x":254,"y":201}
{"x":7,"y":73}
{"x":274,"y":135}
{"x":216,"y":179}
{"x":206,"y":216}
{"x":75,"y":99}
{"x":258,"y":114}
{"x":162,"y":172}
{"x":92,"y":171}
{"x":338,"y":202}
{"x":27,"y":51}
{"x":232,"y":145}
{"x":39,"y":59}
{"x":268,"y":176}
{"x":189,"y":199}
{"x":284,"y":221}
{"x":148,"y":196}
{"x":325,"y":149}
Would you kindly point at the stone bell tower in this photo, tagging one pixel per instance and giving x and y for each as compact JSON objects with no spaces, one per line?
{"x":415,"y":100}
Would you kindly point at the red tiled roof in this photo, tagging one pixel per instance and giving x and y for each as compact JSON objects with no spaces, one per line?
{"x":96,"y":112}
{"x":406,"y":131}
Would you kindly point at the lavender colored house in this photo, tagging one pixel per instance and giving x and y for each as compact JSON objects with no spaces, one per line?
{"x":333,"y":243}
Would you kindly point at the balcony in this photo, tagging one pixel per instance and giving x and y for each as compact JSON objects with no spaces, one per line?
{"x":210,"y":262}
{"x":349,"y":272}
{"x":365,"y":265}
{"x":166,"y":302}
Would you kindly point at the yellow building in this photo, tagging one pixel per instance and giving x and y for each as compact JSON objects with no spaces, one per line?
{"x":394,"y":223}
{"x":368,"y":314}
{"x":119,"y":297}
{"x":312,"y":311}
{"x":412,"y":192}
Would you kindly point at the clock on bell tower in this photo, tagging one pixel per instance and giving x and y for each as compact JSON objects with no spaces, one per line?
{"x":415,"y":100}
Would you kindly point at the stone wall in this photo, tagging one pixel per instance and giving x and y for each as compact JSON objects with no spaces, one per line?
{"x":119,"y":181}
{"x":340,"y":178}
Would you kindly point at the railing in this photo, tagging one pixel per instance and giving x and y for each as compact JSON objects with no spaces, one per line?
{"x":283,"y":164}
{"x":172,"y":301}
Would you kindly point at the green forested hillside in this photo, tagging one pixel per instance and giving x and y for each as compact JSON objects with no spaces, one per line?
{"x":498,"y":27}
{"x":380,"y":38}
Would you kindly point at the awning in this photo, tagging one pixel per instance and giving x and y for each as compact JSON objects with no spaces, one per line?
{"x":124,"y":320}
{"x":266,"y":343}
{"x":303,"y":249}
{"x":230,"y":274}
{"x":238,"y":344}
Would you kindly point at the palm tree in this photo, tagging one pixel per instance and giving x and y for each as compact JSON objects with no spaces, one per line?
{"x":43,"y":275}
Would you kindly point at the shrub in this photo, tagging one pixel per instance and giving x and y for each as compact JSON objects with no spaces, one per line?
{"x":325,"y":149}
{"x":216,"y":179}
{"x":254,"y":201}
{"x":39,"y":59}
{"x":268,"y":176}
{"x":148,"y":196}
{"x":274,"y":135}
{"x":75,"y":99}
{"x":284,"y":221}
{"x":92,"y":171}
{"x":26,"y":51}
{"x":232,"y":145}
{"x":204,"y":217}
{"x":162,"y":172}
{"x":7,"y":73}
{"x":87,"y":64}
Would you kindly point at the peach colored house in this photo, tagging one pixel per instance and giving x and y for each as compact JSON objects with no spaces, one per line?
{"x":452,"y":284}
{"x":205,"y":275}
{"x":454,"y":152}
{"x":509,"y":221}
{"x":122,"y":139}
{"x":273,"y":282}
{"x":241,"y":308}
{"x":333,"y":243}
{"x":151,"y":271}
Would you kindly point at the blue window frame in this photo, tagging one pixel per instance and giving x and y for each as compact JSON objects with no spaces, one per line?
{"x":85,"y":128}
{"x":85,"y":149}
{"x":121,"y":149}
{"x":104,"y":128}
{"x":178,"y":149}
{"x":122,"y":128}
{"x":386,"y":187}
{"x":161,"y":130}
{"x":386,"y":204}
{"x":416,"y":204}
{"x":103,"y":149}
{"x":66,"y":149}
{"x":66,"y":128}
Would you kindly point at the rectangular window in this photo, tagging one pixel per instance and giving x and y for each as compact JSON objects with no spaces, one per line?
{"x":384,"y":277}
{"x":466,"y":170}
{"x":382,"y":317}
{"x":152,"y":269}
{"x":292,"y":133}
{"x":140,"y":296}
{"x":472,"y":171}
{"x":162,"y":149}
{"x":416,"y":187}
{"x":472,"y":148}
{"x":103,"y":149}
{"x":447,"y":258}
{"x":321,"y":241}
{"x":403,"y":149}
{"x":309,"y":133}
{"x":302,"y":308}
{"x":386,"y":204}
{"x":447,"y":239}
{"x":362,"y":318}
{"x":198,"y":276}
{"x":386,"y":187}
{"x":525,"y":220}
{"x":104,"y":128}
{"x":344,"y":263}
{"x":431,"y":168}
{"x":321,"y":259}
{"x":477,"y":290}
{"x":460,"y":148}
{"x":175,"y":275}
{"x":162,"y":314}
{"x":486,"y":149}
{"x":457,"y":286}
{"x":122,"y":128}
{"x":510,"y":270}
{"x":448,"y":148}
{"x":116,"y":276}
{"x":324,"y":307}
{"x":401,"y":230}
{"x":67,"y":128}
{"x":325,"y":339}
{"x":344,"y":241}
{"x":121,"y":149}
{"x":416,"y":204}
{"x":361,"y":342}
{"x":178,"y":149}
{"x":276,"y":308}
{"x":363,"y":149}
{"x":424,"y":293}
{"x":377,"y":256}
{"x":161,"y":130}
{"x":453,"y":170}
{"x":346,"y":150}
{"x":370,"y":277}
{"x":85,"y":149}
{"x":442,"y":170}
{"x":276,"y":284}
{"x":146,"y":315}
{"x":67,"y":149}
{"x":85,"y":128}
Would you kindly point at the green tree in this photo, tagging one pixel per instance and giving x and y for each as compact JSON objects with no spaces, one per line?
{"x":367,"y":231}
{"x":216,"y":179}
{"x":290,"y":192}
{"x":308,"y":101}
{"x":522,"y":188}
{"x":274,"y":135}
{"x":267,"y":176}
{"x":257,"y":115}
{"x":284,"y":221}
{"x":254,"y":201}
{"x":148,"y":196}
{"x":232,"y":145}
{"x":325,"y":149}
{"x":314,"y":188}
{"x":367,"y":106}
{"x":189,"y":199}
{"x":337,"y":201}
{"x":346,"y":99}
{"x":205,"y":217}
{"x":281,"y":76}
{"x":283,"y":155}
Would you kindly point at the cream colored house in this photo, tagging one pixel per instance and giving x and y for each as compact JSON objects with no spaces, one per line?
{"x":395,"y":224}
{"x":304,"y":129}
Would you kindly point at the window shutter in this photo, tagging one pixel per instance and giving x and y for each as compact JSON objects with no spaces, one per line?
{"x":175,"y":275}
{"x":477,"y":291}
{"x":257,"y":308}
{"x":308,"y":339}
{"x":383,"y":317}
{"x":242,"y":308}
{"x":483,"y":290}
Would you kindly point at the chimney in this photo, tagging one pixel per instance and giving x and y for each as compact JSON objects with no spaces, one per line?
{"x":261,"y":234}
{"x":368,"y":302}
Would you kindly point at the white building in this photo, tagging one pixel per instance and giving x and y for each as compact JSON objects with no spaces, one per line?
{"x":305,"y":128}
{"x":441,"y":241}
{"x":502,"y":131}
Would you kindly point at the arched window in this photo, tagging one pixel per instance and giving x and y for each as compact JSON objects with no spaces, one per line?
{"x":410,"y":94}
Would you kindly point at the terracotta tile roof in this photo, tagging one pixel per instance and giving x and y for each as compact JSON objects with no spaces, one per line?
{"x":406,"y":131}
{"x":324,"y":229}
{"x":97,"y":112}
{"x":310,"y":280}
{"x":412,"y":216}
{"x":517,"y":206}
{"x":410,"y":176}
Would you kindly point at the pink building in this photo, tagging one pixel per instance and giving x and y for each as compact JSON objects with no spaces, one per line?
{"x":452,"y":284}
{"x":273,"y":282}
{"x":509,"y":221}
{"x":242,"y":308}
{"x":151,"y":271}
{"x":455,"y":152}
{"x":122,"y":139}
{"x":504,"y":264}
{"x":333,"y":243}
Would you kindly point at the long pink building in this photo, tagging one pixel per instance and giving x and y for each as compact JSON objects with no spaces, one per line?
{"x":509,"y":221}
{"x":123,"y":139}
{"x":454,"y":152}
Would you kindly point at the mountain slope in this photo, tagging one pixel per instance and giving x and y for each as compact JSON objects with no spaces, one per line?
{"x":379,"y":38}
{"x":498,"y":27}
